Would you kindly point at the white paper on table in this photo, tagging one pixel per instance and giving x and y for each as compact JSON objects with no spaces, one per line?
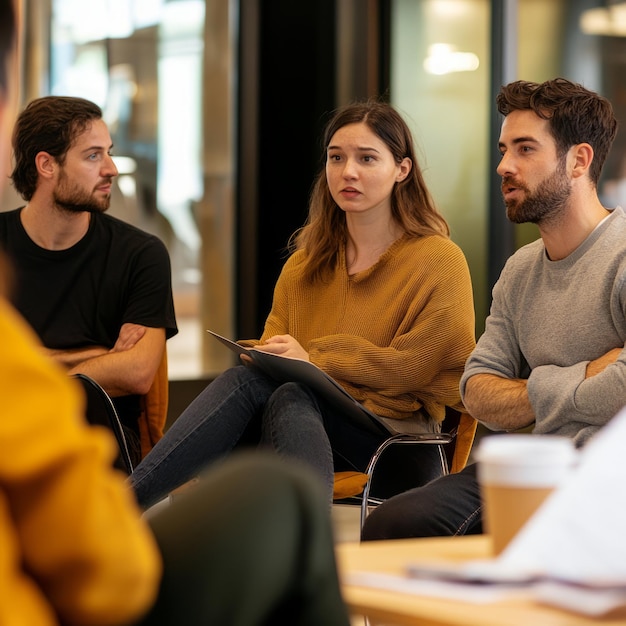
{"x":475,"y":594}
{"x":578,"y":534}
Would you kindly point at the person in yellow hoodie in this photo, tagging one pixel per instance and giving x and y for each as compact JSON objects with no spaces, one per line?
{"x":250,"y":544}
{"x":73,"y":548}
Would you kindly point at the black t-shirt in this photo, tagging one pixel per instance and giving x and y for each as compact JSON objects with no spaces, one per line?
{"x":81,"y":296}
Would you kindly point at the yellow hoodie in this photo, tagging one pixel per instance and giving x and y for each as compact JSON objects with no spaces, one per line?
{"x":73,"y":548}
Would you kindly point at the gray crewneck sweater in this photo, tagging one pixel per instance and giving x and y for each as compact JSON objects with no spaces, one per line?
{"x":548,"y":319}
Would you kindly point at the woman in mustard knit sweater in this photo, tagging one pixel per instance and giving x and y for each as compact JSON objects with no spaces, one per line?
{"x":375,"y":294}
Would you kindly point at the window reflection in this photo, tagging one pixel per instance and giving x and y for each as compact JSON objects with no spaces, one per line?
{"x":141,"y":61}
{"x":440,"y":79}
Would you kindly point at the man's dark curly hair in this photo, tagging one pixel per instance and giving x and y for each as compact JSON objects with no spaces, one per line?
{"x":575,"y":115}
{"x":50,"y":124}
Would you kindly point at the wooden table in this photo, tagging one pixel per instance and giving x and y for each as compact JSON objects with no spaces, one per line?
{"x":391,"y":607}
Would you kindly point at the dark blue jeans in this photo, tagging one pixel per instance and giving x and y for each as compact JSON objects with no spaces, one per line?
{"x":449,"y":505}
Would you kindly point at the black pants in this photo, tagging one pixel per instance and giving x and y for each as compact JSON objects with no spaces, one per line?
{"x":449,"y":505}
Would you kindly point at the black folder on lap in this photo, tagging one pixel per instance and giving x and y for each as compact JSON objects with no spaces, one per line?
{"x":287,"y":369}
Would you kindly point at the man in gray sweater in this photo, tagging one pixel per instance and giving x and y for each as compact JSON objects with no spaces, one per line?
{"x":552,"y":354}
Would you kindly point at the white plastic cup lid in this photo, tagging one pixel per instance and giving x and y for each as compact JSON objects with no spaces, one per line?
{"x":525,"y":460}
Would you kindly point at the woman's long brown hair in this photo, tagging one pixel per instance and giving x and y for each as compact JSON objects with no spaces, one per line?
{"x":412,"y":206}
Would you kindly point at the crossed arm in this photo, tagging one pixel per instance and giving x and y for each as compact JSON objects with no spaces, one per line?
{"x":504,"y":402}
{"x":127,"y":368}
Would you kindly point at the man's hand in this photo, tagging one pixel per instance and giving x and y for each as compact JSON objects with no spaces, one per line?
{"x":127,"y":339}
{"x":598,"y":365}
{"x":71,"y":358}
{"x":503,"y":403}
{"x":129,"y":367}
{"x":129,"y":335}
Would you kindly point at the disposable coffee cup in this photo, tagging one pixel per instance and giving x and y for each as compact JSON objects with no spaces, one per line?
{"x":516,"y":473}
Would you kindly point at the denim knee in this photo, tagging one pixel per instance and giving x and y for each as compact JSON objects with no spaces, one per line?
{"x":447,"y":506}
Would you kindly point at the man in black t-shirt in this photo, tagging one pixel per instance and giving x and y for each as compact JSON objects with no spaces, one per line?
{"x":96,"y":289}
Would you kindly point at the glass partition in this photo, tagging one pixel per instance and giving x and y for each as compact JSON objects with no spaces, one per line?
{"x":163,"y":73}
{"x":440,"y":80}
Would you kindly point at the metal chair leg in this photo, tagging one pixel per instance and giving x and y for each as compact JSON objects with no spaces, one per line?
{"x":438,"y":439}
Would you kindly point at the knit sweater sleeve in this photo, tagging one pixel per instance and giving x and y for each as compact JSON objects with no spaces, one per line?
{"x":498,"y":351}
{"x":396,"y":336}
{"x":570,"y":402}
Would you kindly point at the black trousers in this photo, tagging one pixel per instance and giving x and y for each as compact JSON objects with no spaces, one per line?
{"x":449,"y":505}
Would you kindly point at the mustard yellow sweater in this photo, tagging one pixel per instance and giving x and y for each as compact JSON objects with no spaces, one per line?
{"x":396,"y":336}
{"x":73,"y":548}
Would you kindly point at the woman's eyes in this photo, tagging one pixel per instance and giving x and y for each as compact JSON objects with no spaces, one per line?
{"x":366,"y":158}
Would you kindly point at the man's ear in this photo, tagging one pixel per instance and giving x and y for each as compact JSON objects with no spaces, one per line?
{"x":582,"y":156}
{"x":46,"y":165}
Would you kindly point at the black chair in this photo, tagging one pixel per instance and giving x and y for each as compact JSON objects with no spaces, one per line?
{"x":101,"y":411}
{"x":455,"y":440}
{"x":453,"y":447}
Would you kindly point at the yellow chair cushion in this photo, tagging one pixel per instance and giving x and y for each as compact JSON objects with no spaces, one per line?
{"x":465,"y":434}
{"x":348,"y":484}
{"x":154,"y":409}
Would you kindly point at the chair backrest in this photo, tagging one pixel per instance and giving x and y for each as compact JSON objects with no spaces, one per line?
{"x":154,"y":407}
{"x":463,"y":427}
{"x":460,"y":426}
{"x":457,"y":427}
{"x":100,"y":411}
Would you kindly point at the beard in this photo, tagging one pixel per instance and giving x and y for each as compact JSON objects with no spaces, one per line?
{"x":71,"y":198}
{"x":545,"y":203}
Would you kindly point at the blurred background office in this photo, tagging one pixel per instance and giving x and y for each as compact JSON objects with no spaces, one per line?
{"x":216,"y":108}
